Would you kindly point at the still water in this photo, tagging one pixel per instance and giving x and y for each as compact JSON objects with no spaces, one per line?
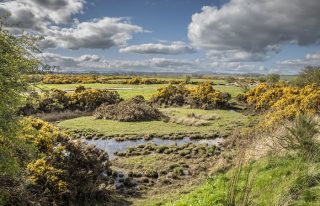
{"x":111,"y":146}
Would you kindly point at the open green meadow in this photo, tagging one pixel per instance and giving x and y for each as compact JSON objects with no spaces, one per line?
{"x":227,"y":121}
{"x":128,"y":91}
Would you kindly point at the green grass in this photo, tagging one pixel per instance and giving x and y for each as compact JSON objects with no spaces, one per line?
{"x":276,"y":179}
{"x":228,"y":120}
{"x":127,"y":91}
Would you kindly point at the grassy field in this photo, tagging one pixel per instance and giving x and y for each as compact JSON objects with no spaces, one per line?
{"x":228,"y":120}
{"x":277,"y":181}
{"x":127,"y":91}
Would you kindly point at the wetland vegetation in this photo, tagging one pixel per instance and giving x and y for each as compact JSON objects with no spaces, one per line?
{"x":130,"y":140}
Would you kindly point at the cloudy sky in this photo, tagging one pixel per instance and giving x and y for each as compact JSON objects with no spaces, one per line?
{"x":226,"y":36}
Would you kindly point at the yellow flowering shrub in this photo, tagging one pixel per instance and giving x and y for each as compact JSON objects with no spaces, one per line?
{"x":205,"y":96}
{"x":44,"y":174}
{"x":88,"y":100}
{"x":172,"y":95}
{"x":62,"y":165}
{"x":282,"y":101}
{"x":42,"y":134}
{"x":57,"y":100}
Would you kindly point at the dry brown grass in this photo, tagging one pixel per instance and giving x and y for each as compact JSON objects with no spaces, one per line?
{"x":57,"y":116}
{"x":189,"y":121}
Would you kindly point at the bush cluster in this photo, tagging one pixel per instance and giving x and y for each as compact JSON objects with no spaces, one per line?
{"x":309,"y":75}
{"x":57,"y":100}
{"x":138,"y":80}
{"x":135,"y":109}
{"x":204,"y":96}
{"x":90,"y":79}
{"x":171,"y":95}
{"x":62,"y":166}
{"x":283,"y":101}
{"x":76,"y":78}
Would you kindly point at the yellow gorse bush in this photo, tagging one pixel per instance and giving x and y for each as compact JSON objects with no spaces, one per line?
{"x":82,"y":99}
{"x":206,"y":97}
{"x":283,"y":101}
{"x":45,"y":174}
{"x":203,"y":96}
{"x":46,"y":139}
{"x":42,"y":134}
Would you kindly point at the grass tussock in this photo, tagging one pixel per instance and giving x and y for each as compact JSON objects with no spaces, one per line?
{"x":193,"y":119}
{"x":189,"y":121}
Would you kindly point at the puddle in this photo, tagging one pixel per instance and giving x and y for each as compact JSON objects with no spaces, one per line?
{"x":111,"y":146}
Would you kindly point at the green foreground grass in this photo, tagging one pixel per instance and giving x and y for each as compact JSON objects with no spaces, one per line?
{"x":277,"y":181}
{"x":127,"y":91}
{"x":228,"y":121}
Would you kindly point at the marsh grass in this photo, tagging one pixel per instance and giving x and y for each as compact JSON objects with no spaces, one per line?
{"x":302,"y":137}
{"x":58,"y":116}
{"x":110,"y":127}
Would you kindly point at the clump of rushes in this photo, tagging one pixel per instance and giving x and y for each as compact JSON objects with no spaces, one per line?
{"x":133,"y":110}
{"x":187,"y":150}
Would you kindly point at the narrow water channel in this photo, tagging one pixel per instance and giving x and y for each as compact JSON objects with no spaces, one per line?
{"x":111,"y":146}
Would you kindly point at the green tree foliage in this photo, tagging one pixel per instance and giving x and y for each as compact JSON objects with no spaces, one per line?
{"x":15,"y":60}
{"x":309,"y":75}
{"x":187,"y":79}
{"x":273,"y":78}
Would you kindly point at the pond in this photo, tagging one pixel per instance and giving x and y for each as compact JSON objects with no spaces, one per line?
{"x":111,"y":146}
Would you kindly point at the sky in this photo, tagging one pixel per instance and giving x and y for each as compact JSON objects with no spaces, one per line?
{"x":181,"y":36}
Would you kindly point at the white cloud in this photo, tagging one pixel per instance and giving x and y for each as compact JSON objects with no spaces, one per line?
{"x":309,"y":60}
{"x":98,"y":33}
{"x":95,"y":63}
{"x":37,"y":14}
{"x":177,"y":47}
{"x":45,"y":17}
{"x":256,"y":26}
{"x":236,"y":56}
{"x":88,"y":57}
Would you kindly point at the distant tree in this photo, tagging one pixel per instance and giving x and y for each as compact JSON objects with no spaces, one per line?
{"x":187,"y":79}
{"x":273,"y":78}
{"x":309,"y":75}
{"x":230,"y":79}
{"x":262,"y":79}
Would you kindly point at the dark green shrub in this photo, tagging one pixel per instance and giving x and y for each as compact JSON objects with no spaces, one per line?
{"x":302,"y":137}
{"x":136,"y":109}
{"x":309,"y":75}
